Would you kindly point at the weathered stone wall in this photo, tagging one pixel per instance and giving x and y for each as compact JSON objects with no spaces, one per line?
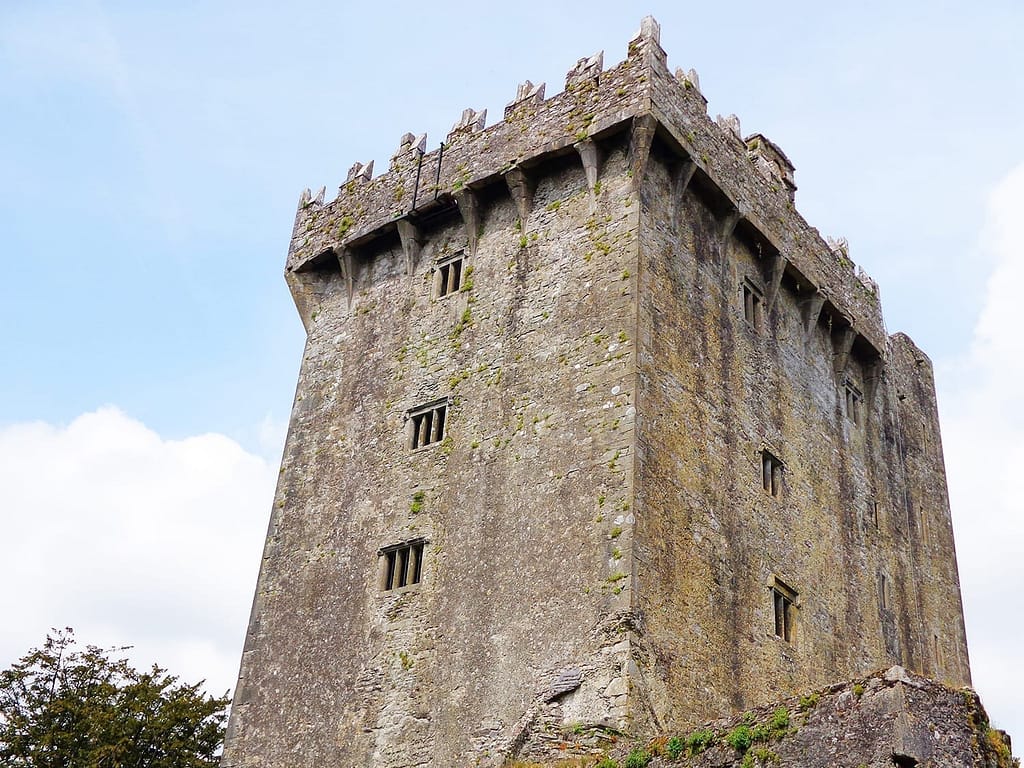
{"x":522,"y":504}
{"x":716,"y":390}
{"x":598,"y":547}
{"x":921,"y":526}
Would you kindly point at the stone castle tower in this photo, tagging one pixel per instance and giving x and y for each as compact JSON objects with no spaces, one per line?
{"x":592,"y":428}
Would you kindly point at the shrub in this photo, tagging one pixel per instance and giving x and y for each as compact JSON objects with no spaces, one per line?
{"x":739,"y":738}
{"x":764,"y":755}
{"x":417,"y":502}
{"x":700,"y":740}
{"x":809,"y":701}
{"x":638,"y":758}
{"x":675,"y":747}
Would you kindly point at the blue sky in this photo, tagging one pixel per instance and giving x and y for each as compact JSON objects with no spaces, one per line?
{"x":153,"y":155}
{"x":157,"y":153}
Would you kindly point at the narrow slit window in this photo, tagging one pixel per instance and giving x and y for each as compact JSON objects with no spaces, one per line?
{"x":389,"y":574}
{"x":416,"y":567}
{"x":427,"y":424}
{"x":854,"y":402}
{"x":449,"y":278}
{"x":784,"y":610}
{"x":771,"y":474}
{"x":403,"y":565}
{"x":883,"y":591}
{"x":871,"y":518}
{"x":752,"y":303}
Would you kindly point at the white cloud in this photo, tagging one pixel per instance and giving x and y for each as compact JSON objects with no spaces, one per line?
{"x":132,"y":540}
{"x":983,"y":436}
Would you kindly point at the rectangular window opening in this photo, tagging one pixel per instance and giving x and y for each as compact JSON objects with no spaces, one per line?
{"x":854,"y":402}
{"x":449,"y":278}
{"x":784,"y":609}
{"x":428,"y":424}
{"x":771,"y":474}
{"x":752,"y":303}
{"x":403,"y":565}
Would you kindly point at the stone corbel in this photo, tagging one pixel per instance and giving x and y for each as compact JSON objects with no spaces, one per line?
{"x":309,"y":286}
{"x":469,"y":207}
{"x":727,"y":226}
{"x":591,"y":159}
{"x":305,"y":292}
{"x":811,"y":307}
{"x":776,"y":270}
{"x":411,"y":239}
{"x":520,"y":186}
{"x":347,"y":266}
{"x":682,"y":174}
{"x":872,"y":376}
{"x":841,"y":355}
{"x":640,"y":140}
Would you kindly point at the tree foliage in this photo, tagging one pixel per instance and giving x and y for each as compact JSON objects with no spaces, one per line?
{"x":61,"y":707}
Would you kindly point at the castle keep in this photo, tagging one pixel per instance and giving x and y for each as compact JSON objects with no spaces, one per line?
{"x":593,"y":430}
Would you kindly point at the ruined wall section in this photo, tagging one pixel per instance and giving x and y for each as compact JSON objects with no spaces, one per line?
{"x":523,"y":506}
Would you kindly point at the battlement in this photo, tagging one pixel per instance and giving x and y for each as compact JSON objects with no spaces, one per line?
{"x":749,"y":181}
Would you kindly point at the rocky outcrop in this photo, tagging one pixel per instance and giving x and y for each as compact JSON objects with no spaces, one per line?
{"x":890,"y":719}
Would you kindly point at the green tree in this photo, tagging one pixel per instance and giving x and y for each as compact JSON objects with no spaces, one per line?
{"x":61,"y":707}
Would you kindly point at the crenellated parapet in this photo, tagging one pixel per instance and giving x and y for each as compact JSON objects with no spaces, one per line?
{"x":750,"y":180}
{"x":771,"y":161}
